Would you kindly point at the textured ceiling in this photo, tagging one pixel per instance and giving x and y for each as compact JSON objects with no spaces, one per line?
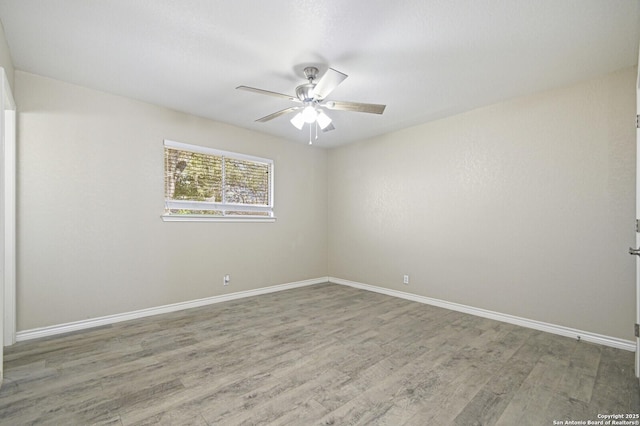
{"x":424,"y":59}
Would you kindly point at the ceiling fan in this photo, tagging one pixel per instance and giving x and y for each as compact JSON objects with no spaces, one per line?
{"x":311,"y":97}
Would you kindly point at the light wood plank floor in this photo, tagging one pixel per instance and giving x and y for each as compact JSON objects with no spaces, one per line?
{"x":318,"y":355}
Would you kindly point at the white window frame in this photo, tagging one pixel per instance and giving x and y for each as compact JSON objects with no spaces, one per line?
{"x":198,"y":205}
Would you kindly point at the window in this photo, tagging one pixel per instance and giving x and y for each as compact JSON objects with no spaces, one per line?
{"x":206,"y":184}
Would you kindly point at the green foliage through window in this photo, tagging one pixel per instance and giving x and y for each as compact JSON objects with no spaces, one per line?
{"x":203,"y":181}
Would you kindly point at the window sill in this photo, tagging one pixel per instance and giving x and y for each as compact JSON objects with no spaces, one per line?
{"x":194,"y":218}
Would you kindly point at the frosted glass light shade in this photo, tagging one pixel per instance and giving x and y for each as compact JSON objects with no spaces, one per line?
{"x":298,"y":121}
{"x":309,"y":114}
{"x":323,"y":120}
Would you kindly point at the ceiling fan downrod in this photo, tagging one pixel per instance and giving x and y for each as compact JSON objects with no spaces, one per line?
{"x":311,"y":73}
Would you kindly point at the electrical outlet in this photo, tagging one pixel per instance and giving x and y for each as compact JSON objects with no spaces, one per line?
{"x":226,"y":279}
{"x":405,"y":279}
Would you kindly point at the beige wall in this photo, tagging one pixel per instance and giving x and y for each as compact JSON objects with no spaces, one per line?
{"x":5,"y":58}
{"x":91,"y":241}
{"x":525,"y":207}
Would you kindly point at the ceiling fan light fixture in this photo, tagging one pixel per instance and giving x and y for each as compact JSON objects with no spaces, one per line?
{"x":323,"y":120}
{"x":309,"y":114}
{"x":311,"y":99}
{"x":298,"y":121}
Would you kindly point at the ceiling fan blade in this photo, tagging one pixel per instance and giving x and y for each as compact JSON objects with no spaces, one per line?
{"x":355,"y":106}
{"x":269,"y":93}
{"x":328,"y":82}
{"x":277,"y":114}
{"x":328,"y":128}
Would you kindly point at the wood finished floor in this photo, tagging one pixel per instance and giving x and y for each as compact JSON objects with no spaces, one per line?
{"x":318,"y":355}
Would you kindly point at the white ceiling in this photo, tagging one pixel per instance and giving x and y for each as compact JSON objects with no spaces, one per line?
{"x":424,"y":59}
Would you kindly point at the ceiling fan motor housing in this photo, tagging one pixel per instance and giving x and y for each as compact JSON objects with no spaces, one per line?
{"x":305,"y":92}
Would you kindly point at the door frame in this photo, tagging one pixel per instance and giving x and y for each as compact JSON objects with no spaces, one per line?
{"x":8,"y":135}
{"x":637,"y":363}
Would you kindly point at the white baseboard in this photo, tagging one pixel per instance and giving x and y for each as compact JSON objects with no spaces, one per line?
{"x":53,"y":330}
{"x":614,"y":342}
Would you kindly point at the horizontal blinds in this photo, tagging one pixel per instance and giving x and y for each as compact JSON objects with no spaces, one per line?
{"x":246,"y":182}
{"x":202,"y":181}
{"x":192,"y":176}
